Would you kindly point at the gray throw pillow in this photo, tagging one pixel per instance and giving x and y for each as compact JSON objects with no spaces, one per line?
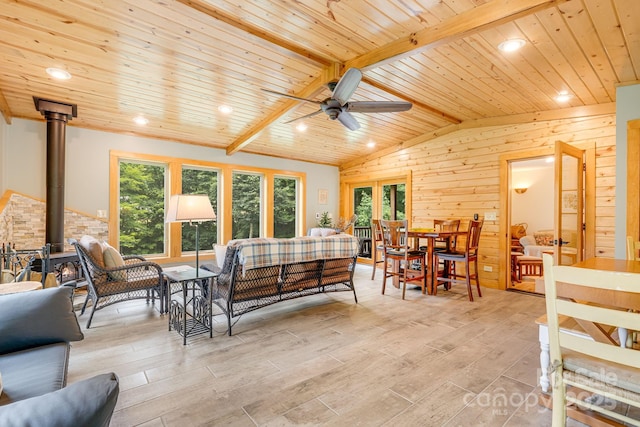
{"x":35,"y":318}
{"x":86,"y":403}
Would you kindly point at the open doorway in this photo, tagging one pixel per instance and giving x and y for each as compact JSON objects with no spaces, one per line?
{"x":530,"y":195}
{"x":532,"y":220}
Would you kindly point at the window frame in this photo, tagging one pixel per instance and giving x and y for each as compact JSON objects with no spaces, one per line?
{"x":173,"y":185}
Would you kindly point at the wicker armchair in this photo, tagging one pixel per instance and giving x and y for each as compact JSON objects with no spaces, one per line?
{"x":137,"y":278}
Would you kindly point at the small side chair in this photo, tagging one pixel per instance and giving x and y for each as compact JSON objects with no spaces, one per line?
{"x":399,"y":257}
{"x":467,"y":256}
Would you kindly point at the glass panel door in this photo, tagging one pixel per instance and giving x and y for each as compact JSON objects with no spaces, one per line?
{"x":569,"y":204}
{"x":363,"y":207}
{"x":393,"y":201}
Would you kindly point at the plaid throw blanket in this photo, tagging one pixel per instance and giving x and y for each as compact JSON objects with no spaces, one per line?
{"x":262,"y":252}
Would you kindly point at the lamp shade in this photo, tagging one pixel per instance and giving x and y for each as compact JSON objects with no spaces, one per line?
{"x":190,"y":207}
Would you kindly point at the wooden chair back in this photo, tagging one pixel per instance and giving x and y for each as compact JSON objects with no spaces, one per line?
{"x":376,"y":232}
{"x":446,"y":224}
{"x":377,"y":246}
{"x":633,"y":249}
{"x":473,"y":237}
{"x":591,"y":367}
{"x":394,"y":234}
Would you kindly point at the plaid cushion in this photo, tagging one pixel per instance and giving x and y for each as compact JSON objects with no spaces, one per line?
{"x":262,"y":252}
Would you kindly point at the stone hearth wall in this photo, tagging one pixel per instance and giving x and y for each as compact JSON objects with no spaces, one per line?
{"x":22,"y":223}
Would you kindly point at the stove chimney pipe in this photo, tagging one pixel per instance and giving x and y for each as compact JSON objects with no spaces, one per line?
{"x":57,"y":115}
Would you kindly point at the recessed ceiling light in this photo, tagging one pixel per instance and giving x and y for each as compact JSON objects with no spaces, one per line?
{"x":58,"y":73}
{"x":563,"y":96}
{"x":511,"y":45}
{"x":141,"y":120}
{"x":225,"y":109}
{"x":371,"y":144}
{"x":301,"y":127}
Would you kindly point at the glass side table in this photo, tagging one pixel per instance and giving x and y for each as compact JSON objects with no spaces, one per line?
{"x":190,"y":310}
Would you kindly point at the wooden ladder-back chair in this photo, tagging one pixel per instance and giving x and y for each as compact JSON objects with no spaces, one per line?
{"x":633,"y":249}
{"x":399,"y":257}
{"x":377,"y":246}
{"x":467,"y":256}
{"x":445,"y":225}
{"x":595,"y":375}
{"x":633,"y":254}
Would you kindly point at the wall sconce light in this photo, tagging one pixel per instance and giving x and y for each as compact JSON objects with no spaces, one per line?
{"x":521,"y":190}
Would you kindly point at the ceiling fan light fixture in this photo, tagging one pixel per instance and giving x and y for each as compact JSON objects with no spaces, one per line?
{"x":511,"y":45}
{"x":58,"y":73}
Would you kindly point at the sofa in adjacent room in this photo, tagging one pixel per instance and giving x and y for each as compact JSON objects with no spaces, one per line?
{"x":36,"y":329}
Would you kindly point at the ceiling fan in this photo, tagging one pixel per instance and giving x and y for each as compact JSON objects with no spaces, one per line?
{"x":338,"y":106}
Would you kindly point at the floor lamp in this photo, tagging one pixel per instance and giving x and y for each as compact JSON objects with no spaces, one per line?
{"x":191,"y":208}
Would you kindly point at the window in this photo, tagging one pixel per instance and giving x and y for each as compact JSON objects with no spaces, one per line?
{"x":141,"y":208}
{"x":285,"y":203}
{"x":248,"y":202}
{"x":200,"y":181}
{"x":246,"y":205}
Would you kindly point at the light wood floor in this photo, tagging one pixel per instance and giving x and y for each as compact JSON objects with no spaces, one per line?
{"x":324,"y":360}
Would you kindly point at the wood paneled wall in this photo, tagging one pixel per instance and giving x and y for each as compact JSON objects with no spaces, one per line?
{"x":457,"y":175}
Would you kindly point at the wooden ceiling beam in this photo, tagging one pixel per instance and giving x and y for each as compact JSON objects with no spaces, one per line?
{"x":488,"y":15}
{"x":4,"y":109}
{"x":328,"y":74}
{"x":434,"y":111}
{"x":539,"y":116}
{"x":209,"y":10}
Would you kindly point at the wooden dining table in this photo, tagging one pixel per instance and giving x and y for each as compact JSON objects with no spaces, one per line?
{"x":431,"y":235}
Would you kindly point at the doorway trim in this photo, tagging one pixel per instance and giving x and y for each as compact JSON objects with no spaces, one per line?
{"x":633,"y":179}
{"x":504,"y":212}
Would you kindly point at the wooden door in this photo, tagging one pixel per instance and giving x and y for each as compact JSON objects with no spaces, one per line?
{"x":569,"y":205}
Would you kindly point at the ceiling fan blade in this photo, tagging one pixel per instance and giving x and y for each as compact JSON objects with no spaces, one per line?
{"x":347,"y":85}
{"x":378,"y":106}
{"x":304,"y":117}
{"x":291,"y":96}
{"x":348,"y":120}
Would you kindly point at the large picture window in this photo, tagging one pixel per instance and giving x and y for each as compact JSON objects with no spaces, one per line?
{"x":248,"y":202}
{"x":285,"y":206}
{"x":200,"y":181}
{"x":142,"y":196}
{"x":246,"y":205}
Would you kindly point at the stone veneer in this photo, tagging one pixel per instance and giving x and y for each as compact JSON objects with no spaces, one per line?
{"x":22,"y":223}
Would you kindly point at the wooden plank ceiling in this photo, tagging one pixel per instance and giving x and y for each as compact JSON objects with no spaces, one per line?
{"x":177,"y":61}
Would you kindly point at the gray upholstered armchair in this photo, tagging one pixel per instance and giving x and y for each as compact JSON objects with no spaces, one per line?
{"x":113,"y":278}
{"x":36,"y":329}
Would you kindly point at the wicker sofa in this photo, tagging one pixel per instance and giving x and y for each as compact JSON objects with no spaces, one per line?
{"x":260,"y":272}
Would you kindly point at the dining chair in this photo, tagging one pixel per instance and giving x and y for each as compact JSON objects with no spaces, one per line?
{"x":377,"y":246}
{"x":591,"y":375}
{"x":467,"y":256}
{"x":633,"y":254}
{"x":444,"y":243}
{"x":633,"y":249}
{"x":399,"y":257}
{"x":445,"y":225}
